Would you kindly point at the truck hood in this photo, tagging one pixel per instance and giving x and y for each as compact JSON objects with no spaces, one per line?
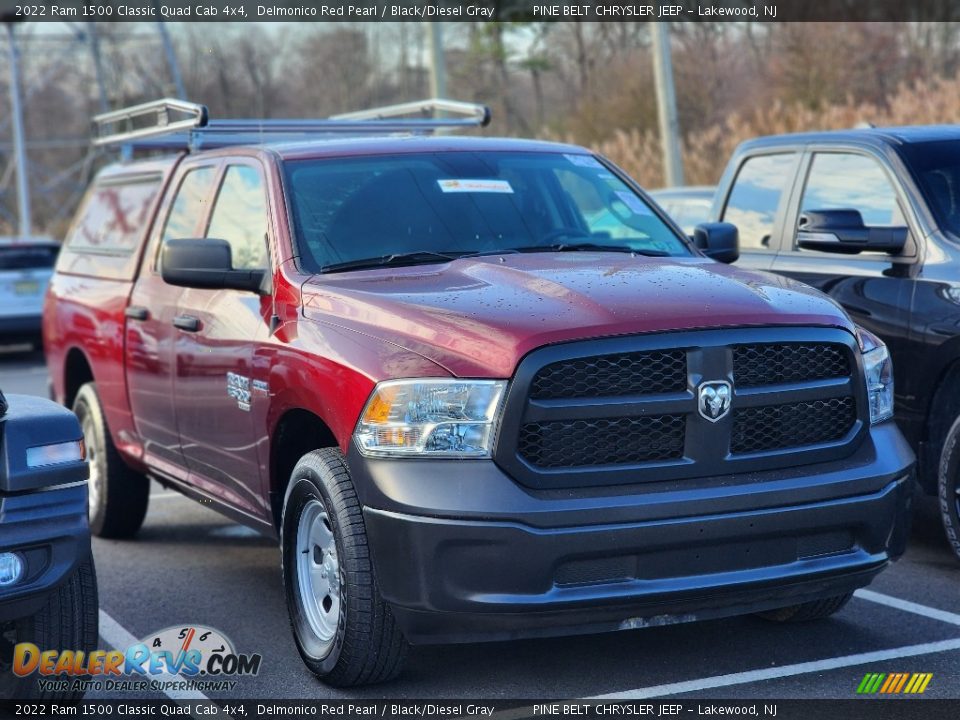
{"x":477,"y":317}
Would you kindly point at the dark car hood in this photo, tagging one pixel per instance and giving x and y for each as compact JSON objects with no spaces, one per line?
{"x":478,"y":316}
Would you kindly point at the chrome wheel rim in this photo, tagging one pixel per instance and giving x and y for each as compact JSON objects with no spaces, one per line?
{"x":94,"y":484}
{"x":318,"y":573}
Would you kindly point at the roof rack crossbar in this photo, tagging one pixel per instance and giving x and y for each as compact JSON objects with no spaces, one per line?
{"x":149,"y":119}
{"x":183,"y":125}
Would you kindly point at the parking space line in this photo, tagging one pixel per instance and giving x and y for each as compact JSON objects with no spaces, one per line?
{"x":774,"y":673}
{"x":120,"y":638}
{"x":907,"y":606}
{"x":166,"y":496}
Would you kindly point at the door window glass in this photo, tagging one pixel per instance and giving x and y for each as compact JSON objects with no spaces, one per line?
{"x":753,"y":202}
{"x":190,"y":205}
{"x":240,"y":217}
{"x":844,"y":181}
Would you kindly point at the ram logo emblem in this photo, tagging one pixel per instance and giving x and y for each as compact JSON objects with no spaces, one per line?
{"x":713,"y":399}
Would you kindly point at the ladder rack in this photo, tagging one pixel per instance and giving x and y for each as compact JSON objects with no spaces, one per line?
{"x":171,"y":124}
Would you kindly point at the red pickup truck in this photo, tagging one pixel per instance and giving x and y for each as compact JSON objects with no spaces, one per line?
{"x":478,"y":388}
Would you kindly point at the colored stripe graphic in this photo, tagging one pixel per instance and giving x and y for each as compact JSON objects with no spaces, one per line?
{"x":894,"y":683}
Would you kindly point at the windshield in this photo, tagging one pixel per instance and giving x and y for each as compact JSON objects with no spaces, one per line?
{"x":432,"y":207}
{"x":936,"y":167}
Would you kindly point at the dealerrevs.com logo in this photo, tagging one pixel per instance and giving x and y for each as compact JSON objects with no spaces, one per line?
{"x":202,"y":657}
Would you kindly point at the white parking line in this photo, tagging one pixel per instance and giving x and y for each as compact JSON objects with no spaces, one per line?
{"x":165,"y":496}
{"x":751,"y":676}
{"x":120,"y":638}
{"x":907,"y":606}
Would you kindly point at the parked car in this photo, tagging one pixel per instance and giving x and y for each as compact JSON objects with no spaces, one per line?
{"x":26,"y":265}
{"x":479,"y":389}
{"x":872,"y":218}
{"x":48,"y":587}
{"x":688,"y":206}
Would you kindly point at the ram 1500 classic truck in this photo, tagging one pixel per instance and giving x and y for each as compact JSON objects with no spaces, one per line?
{"x":478,"y":388}
{"x":871,"y":217}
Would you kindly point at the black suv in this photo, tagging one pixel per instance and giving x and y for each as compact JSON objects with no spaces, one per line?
{"x":871,"y":217}
{"x":48,"y":588}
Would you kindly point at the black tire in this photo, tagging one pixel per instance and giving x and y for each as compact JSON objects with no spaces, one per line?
{"x":804,"y":612}
{"x":948,"y":487}
{"x":118,"y":495}
{"x":69,"y":621}
{"x":366,"y":646}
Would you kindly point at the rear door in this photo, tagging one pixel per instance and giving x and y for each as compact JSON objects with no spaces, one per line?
{"x":757,"y":203}
{"x":151,"y":336}
{"x":220,"y":385}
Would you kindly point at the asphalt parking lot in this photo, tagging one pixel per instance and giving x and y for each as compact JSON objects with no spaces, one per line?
{"x":190,"y":566}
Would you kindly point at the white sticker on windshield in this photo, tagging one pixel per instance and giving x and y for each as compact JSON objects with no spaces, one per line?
{"x":636,"y":205}
{"x":588,"y":161}
{"x":475,"y":186}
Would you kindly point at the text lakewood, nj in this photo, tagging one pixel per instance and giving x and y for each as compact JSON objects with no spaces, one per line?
{"x":612,"y":10}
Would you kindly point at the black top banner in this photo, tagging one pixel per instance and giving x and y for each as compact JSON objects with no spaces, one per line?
{"x":479,"y":10}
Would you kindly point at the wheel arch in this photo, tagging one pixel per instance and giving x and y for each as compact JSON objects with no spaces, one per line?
{"x":297,"y":432}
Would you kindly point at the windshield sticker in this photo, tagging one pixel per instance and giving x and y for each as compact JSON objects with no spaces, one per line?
{"x":587,"y":161}
{"x":474,"y":185}
{"x":636,"y":205}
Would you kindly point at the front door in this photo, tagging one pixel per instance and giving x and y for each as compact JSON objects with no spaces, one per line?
{"x":220,"y":388}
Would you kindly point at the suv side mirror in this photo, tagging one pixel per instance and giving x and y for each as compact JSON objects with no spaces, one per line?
{"x":205,"y":263}
{"x":843,"y":231}
{"x":718,"y":240}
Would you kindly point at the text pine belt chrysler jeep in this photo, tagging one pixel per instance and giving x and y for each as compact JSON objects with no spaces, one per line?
{"x":480,"y":389}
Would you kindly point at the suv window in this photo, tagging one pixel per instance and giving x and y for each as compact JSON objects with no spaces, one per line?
{"x":757,"y":191}
{"x":240,"y":217}
{"x":350,"y":210}
{"x":27,"y":257}
{"x":114,"y":216}
{"x":849,"y":181}
{"x":189,"y":206}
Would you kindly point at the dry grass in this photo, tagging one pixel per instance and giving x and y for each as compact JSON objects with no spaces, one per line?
{"x":705,"y":153}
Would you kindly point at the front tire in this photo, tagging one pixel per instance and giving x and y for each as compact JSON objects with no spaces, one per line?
{"x":68,"y":621}
{"x":948,"y":487}
{"x":118,"y":495}
{"x":344,"y":630}
{"x":805,"y":612}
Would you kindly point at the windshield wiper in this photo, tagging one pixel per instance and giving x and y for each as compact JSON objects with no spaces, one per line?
{"x":575,"y":247}
{"x":407,"y":258}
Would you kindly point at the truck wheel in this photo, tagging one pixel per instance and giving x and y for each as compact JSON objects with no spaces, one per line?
{"x":69,"y":621}
{"x":948,"y":487}
{"x":813,"y":610}
{"x":118,"y":495}
{"x":344,"y":630}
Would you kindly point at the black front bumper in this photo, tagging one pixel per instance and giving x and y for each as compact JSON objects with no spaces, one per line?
{"x":49,"y":530}
{"x":464,"y":553}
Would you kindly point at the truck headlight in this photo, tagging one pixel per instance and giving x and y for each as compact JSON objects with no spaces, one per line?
{"x":431,"y":418}
{"x":55,"y":454}
{"x":11,"y":569}
{"x":878,"y":372}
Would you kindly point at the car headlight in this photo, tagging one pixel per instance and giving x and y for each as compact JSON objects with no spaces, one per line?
{"x":878,"y":371}
{"x":431,"y":418}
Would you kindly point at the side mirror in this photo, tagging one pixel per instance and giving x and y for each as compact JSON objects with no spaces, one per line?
{"x":843,"y":231}
{"x":718,"y":240}
{"x":205,"y":263}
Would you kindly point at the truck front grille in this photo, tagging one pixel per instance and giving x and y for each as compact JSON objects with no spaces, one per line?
{"x":776,"y":427}
{"x":626,"y":410}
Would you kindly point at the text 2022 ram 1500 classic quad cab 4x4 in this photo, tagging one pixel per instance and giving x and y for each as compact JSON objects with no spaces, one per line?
{"x":48,"y":588}
{"x":871,"y":216}
{"x":479,"y":389}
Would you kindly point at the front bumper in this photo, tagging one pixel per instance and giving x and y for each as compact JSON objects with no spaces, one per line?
{"x":464,"y":553}
{"x":49,"y":530}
